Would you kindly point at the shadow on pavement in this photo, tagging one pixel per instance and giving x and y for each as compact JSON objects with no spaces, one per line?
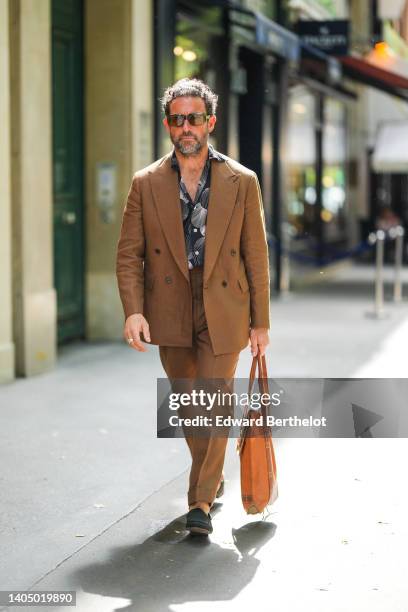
{"x":174,"y":567}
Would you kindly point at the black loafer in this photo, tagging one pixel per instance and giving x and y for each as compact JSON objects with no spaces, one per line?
{"x":198,"y":522}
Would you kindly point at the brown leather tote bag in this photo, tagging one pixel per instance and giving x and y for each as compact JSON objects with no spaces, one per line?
{"x":259,"y":485}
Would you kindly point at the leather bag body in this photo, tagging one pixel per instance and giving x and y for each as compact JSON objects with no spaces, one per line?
{"x":259,"y":485}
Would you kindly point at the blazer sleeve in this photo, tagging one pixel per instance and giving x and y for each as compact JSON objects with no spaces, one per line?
{"x":131,"y":252}
{"x":254,"y":249}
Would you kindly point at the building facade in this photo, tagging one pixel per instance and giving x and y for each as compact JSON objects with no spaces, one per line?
{"x":77,"y":109}
{"x":81,"y":112}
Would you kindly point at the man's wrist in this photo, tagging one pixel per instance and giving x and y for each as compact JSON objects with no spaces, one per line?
{"x":134,"y":314}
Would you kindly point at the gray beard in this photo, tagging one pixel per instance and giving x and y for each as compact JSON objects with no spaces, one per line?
{"x":190,"y":149}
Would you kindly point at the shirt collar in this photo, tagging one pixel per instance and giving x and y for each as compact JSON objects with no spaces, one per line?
{"x":212,"y":154}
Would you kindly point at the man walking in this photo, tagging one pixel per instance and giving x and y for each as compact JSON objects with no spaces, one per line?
{"x":192,"y":268}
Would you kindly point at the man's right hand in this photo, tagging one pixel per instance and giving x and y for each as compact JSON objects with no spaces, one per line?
{"x":134,"y":325}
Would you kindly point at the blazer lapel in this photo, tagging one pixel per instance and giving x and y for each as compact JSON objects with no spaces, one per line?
{"x":223,"y":195}
{"x":165,"y":188}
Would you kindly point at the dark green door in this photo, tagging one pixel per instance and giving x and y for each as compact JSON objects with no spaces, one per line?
{"x":67,"y":90}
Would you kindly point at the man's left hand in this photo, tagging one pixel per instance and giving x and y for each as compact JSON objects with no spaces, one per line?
{"x":259,"y":339}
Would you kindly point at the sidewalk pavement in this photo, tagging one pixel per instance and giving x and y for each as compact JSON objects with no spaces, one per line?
{"x":92,"y":501}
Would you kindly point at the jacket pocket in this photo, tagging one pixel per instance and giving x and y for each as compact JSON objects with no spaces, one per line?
{"x":243,"y":283}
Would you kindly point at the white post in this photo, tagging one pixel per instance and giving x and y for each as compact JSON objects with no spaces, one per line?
{"x":378,"y":239}
{"x":379,"y":281}
{"x":399,"y":242}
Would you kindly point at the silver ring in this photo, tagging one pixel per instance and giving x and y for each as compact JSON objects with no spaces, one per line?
{"x":130,"y":340}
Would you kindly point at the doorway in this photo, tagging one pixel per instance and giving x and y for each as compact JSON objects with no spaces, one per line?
{"x":68,"y":183}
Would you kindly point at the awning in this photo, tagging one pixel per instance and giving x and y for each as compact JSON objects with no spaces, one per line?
{"x":273,"y":36}
{"x":391,"y":150}
{"x":314,"y":62}
{"x":322,"y":72}
{"x":266,"y":33}
{"x":367,"y":73}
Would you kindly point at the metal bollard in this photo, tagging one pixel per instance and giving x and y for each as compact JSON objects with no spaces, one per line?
{"x":399,"y":243}
{"x":378,"y":238}
{"x":379,"y":267}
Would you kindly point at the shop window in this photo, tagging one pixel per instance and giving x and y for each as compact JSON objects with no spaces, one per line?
{"x":194,"y":37}
{"x":303,"y":209}
{"x":301,"y":187}
{"x":198,"y":31}
{"x":333,"y":210}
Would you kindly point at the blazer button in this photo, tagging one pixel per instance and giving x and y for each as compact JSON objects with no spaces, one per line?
{"x":224,"y":283}
{"x":157,"y":251}
{"x":233,"y":252}
{"x":168,"y":279}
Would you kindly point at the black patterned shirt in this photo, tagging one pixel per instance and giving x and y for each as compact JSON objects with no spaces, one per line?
{"x":194,"y":214}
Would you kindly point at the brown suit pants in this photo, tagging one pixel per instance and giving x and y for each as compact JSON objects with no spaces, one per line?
{"x":199,"y":362}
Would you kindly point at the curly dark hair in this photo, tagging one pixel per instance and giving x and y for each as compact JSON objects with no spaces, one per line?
{"x":190,"y":87}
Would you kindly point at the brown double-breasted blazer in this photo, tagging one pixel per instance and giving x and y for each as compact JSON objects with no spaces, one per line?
{"x":151,"y":265}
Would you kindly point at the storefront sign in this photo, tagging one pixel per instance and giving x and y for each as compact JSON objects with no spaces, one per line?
{"x":331,"y":37}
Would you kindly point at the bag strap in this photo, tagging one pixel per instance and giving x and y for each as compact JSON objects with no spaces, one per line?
{"x":259,"y":362}
{"x":262,"y":371}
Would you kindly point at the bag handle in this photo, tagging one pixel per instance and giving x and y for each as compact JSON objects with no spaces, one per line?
{"x":262,"y":371}
{"x":264,"y":388}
